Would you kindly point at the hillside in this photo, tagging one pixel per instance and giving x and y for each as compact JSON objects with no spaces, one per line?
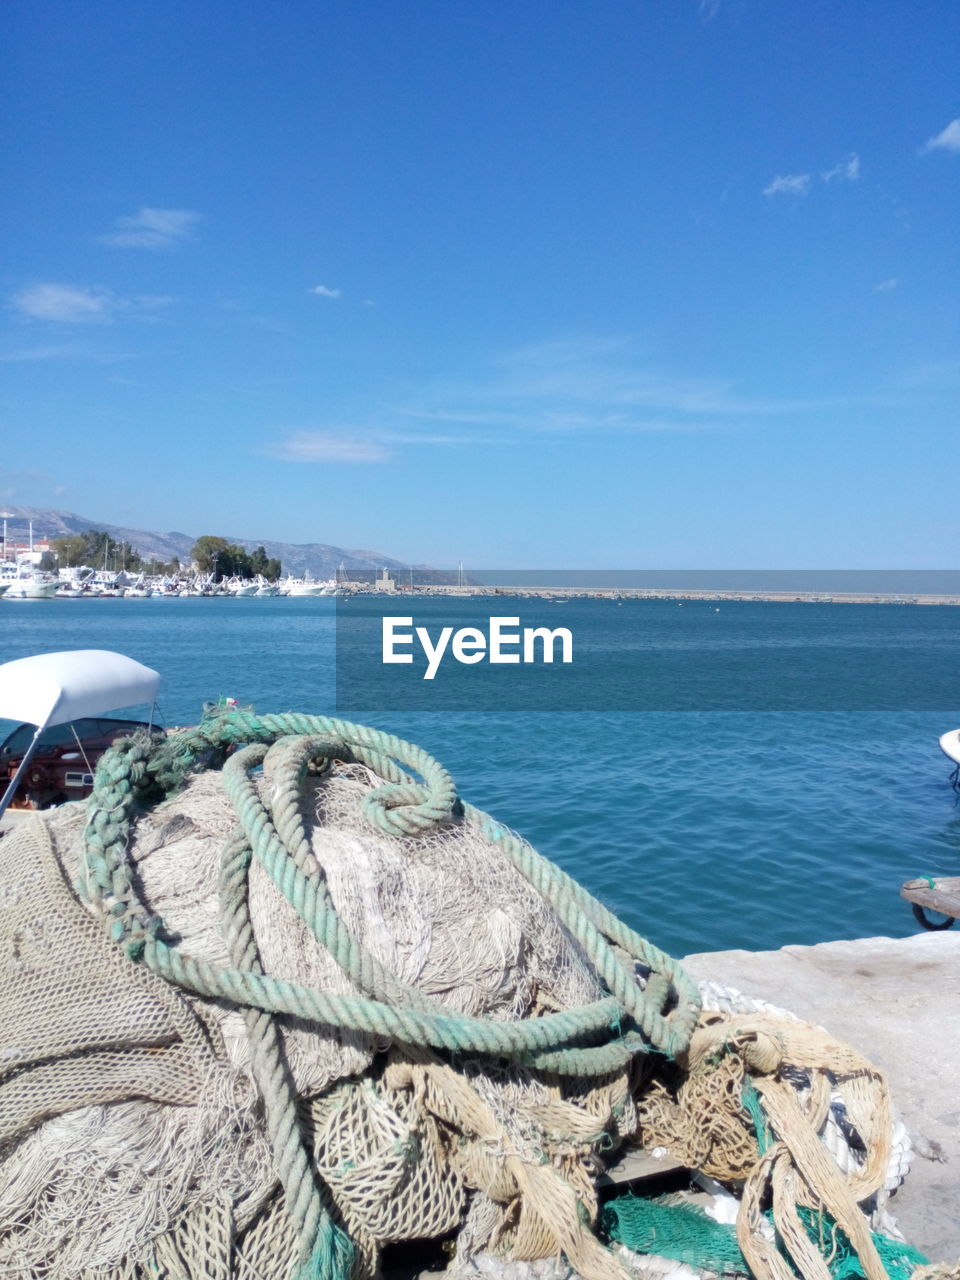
{"x":320,"y":559}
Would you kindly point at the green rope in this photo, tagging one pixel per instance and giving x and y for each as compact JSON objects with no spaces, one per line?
{"x":754,"y":1109}
{"x":325,"y":1249}
{"x":133,"y":773}
{"x":593,"y":1040}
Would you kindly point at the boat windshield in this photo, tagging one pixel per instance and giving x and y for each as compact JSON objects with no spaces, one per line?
{"x":16,"y":738}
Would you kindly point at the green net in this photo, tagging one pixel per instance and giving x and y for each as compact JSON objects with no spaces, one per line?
{"x":676,"y":1230}
{"x":751,"y":1102}
{"x":683,"y":1232}
{"x":899,"y":1259}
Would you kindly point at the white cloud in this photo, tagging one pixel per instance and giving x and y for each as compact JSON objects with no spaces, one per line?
{"x":324,"y":291}
{"x":585,"y":386}
{"x":63,"y":302}
{"x":420,"y":437}
{"x":709,"y":9}
{"x":594,"y":387}
{"x":884,"y":286}
{"x":846,"y":171}
{"x":365,"y":444}
{"x":947,"y":139}
{"x":152,"y":229}
{"x":799,"y":184}
{"x":789,"y":184}
{"x":72,"y":304}
{"x":329,"y":446}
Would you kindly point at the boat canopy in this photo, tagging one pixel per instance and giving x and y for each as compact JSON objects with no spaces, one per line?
{"x":53,"y":688}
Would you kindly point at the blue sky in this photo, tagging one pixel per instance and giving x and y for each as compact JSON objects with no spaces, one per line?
{"x":609,"y":284}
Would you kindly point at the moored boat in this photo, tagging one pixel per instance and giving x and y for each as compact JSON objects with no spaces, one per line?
{"x":61,"y":701}
{"x":31,"y":586}
{"x":950,"y":746}
{"x":307,"y":586}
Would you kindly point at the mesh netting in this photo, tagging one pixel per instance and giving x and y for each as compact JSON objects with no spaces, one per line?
{"x":79,"y":1025}
{"x":399,"y":1142}
{"x":381,"y":1018}
{"x":671,"y":1227}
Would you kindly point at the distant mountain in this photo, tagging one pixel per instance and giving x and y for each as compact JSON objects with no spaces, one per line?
{"x":320,"y":559}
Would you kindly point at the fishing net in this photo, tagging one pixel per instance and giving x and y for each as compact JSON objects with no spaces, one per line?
{"x":149,"y":1124}
{"x":276,"y":998}
{"x":673,"y":1228}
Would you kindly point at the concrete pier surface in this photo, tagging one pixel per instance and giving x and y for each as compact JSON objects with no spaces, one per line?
{"x":897,"y":1001}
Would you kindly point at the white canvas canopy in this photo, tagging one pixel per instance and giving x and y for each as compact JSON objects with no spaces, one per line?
{"x":55,"y":688}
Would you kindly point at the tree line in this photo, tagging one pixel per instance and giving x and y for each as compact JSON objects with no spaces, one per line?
{"x":226,"y":560}
{"x":95,"y":548}
{"x":211,"y":555}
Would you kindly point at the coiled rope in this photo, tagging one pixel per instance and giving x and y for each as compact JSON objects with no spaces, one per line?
{"x":589,"y":1041}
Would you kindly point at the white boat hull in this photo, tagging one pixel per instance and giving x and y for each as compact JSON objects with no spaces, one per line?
{"x":309,"y":589}
{"x":30,"y":589}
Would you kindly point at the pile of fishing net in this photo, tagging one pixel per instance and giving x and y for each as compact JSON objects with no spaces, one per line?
{"x":275,"y":998}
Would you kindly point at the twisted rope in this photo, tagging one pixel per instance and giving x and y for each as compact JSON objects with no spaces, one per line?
{"x":325,"y":1249}
{"x":133,"y":772}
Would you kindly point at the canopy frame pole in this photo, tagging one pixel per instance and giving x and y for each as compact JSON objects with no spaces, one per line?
{"x":21,"y":769}
{"x":76,"y":738}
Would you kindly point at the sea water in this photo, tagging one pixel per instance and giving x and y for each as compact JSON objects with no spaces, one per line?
{"x":704,"y":830}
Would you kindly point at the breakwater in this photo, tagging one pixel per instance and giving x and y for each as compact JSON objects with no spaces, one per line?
{"x":686,"y":593}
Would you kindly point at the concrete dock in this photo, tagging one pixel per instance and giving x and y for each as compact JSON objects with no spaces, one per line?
{"x":898,"y":1002}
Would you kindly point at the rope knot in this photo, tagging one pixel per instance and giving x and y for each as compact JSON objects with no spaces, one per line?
{"x":404,"y":809}
{"x":761,"y":1052}
{"x":759,"y":1048}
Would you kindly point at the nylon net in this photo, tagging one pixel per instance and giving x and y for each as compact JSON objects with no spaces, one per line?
{"x":151,"y":1130}
{"x":111,"y":1175}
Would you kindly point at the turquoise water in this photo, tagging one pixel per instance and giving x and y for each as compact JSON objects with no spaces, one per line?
{"x":654,"y":655}
{"x":705,"y":830}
